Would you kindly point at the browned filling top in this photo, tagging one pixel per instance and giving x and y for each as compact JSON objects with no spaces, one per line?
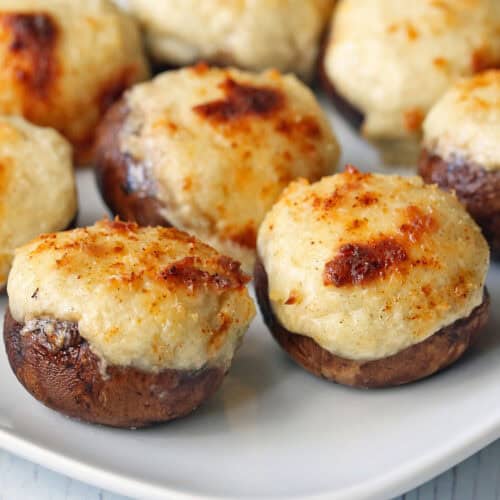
{"x":241,"y":100}
{"x":33,"y":42}
{"x":361,"y":263}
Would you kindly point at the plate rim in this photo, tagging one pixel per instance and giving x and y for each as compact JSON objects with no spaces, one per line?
{"x":394,"y":483}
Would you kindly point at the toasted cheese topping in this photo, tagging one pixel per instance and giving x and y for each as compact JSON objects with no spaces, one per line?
{"x":382,"y":262}
{"x":281,"y":34}
{"x":64,"y":62}
{"x":392,"y":60}
{"x":464,"y":124}
{"x":37,"y":186}
{"x":152,"y":298}
{"x":222,"y":144}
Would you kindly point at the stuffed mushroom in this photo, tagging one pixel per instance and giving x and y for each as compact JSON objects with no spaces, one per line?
{"x":37,"y":186}
{"x":124,"y":326}
{"x":385,"y":284}
{"x":209,"y":150}
{"x":257,"y":35}
{"x":387,"y":62}
{"x":63,"y":63}
{"x":461,"y":149}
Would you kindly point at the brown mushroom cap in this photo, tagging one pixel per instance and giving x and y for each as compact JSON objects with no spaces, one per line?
{"x":68,"y":377}
{"x":476,"y":187}
{"x":130,"y":202}
{"x":413,"y":363}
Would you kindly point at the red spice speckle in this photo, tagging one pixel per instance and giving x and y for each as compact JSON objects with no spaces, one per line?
{"x":367,"y":199}
{"x":306,"y":126}
{"x":418,"y":224}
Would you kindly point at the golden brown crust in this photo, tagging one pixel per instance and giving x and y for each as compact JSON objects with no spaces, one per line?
{"x":241,"y":100}
{"x":477,"y":188}
{"x":138,"y":148}
{"x":36,"y":75}
{"x":413,"y":363}
{"x":65,"y":375}
{"x":360,"y":263}
{"x":138,"y":204}
{"x":34,"y":64}
{"x":187,"y":273}
{"x":218,"y":272}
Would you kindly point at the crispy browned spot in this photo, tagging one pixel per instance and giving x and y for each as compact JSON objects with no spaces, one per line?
{"x":186,"y":272}
{"x":413,"y":119}
{"x":353,"y":180}
{"x":361,"y":263}
{"x":33,"y":42}
{"x":293,"y":298}
{"x":246,"y":237}
{"x":483,"y":59}
{"x":241,"y":100}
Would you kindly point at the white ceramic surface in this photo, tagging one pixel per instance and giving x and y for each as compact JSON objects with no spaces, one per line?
{"x":273,"y":431}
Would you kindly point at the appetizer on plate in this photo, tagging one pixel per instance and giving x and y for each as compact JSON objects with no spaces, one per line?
{"x":385,"y":284}
{"x":64,"y":62}
{"x":37,"y":185}
{"x":461,"y":149}
{"x":257,"y":35}
{"x":209,"y":150}
{"x":121,"y":325}
{"x":389,"y":61}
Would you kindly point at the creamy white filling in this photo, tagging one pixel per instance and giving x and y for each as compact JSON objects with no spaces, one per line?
{"x":464,"y":124}
{"x":441,"y":281}
{"x":130,"y":305}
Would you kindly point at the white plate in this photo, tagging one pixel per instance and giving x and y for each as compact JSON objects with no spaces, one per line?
{"x":273,"y":431}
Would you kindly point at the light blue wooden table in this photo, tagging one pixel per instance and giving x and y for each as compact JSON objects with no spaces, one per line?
{"x":477,"y":478}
